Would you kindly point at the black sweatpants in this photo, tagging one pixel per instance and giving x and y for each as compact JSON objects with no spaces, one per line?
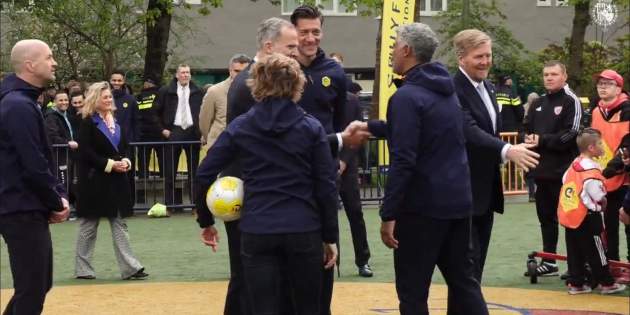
{"x":611,"y":219}
{"x":423,"y":243}
{"x":584,"y":245}
{"x":30,"y":254}
{"x":547,"y":195}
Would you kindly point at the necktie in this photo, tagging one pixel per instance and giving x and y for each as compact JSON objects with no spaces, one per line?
{"x":485,"y":97}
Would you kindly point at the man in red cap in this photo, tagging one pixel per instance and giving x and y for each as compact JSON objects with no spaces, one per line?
{"x":612,"y":118}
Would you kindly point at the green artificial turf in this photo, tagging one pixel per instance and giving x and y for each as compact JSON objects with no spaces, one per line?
{"x":170,"y":250}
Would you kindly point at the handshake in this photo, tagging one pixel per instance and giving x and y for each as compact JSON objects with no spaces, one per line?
{"x":355,"y":134}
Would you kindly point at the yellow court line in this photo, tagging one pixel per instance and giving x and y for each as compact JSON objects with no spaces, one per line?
{"x":349,"y":298}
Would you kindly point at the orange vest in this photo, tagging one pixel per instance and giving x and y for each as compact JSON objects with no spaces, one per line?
{"x":613,"y":132}
{"x":571,"y":209}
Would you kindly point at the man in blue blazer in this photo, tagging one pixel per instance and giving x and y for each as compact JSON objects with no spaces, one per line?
{"x":486,"y":151}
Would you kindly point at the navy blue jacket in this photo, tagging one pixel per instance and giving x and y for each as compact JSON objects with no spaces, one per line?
{"x":428,"y":172}
{"x":324,"y":94}
{"x":483,"y":144}
{"x":126,"y":114}
{"x":288,"y":171}
{"x":27,"y":182}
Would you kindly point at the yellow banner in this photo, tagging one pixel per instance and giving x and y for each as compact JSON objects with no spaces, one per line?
{"x":395,"y":13}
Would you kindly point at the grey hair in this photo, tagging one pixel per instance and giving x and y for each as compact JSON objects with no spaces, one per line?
{"x":269,"y":30}
{"x":420,"y":38}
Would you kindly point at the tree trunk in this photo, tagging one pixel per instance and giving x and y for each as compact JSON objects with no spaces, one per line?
{"x":581,"y":20}
{"x":158,"y":32}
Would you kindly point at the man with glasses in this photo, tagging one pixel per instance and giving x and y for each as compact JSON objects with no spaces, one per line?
{"x":611,"y":117}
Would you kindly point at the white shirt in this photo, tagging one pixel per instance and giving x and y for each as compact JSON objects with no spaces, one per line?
{"x":593,"y":190}
{"x":183,"y":116}
{"x":485,"y":97}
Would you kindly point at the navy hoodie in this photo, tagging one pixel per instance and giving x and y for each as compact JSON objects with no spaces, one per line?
{"x":428,"y":173}
{"x":325,"y":92}
{"x":126,"y":114}
{"x":27,"y":182}
{"x":288,"y":171}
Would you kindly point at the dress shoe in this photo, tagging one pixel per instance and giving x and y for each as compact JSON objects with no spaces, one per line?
{"x":365,"y":271}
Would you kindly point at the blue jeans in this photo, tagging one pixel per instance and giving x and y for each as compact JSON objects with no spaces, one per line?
{"x":269,"y":259}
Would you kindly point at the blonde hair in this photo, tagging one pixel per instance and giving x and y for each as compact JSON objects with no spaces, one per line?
{"x":276,"y":76}
{"x":92,"y":98}
{"x":469,"y":39}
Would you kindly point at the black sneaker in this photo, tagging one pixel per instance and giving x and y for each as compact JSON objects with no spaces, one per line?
{"x":545,"y":269}
{"x":365,"y":271}
{"x":140,"y":275}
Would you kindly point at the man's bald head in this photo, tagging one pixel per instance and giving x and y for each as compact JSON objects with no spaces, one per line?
{"x":32,"y":61}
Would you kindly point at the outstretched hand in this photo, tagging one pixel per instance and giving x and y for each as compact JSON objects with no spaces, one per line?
{"x":523,"y":156}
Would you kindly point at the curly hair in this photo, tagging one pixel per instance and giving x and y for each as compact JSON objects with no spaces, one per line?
{"x":276,"y":76}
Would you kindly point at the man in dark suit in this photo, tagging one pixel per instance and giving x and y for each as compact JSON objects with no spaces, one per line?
{"x":486,"y":151}
{"x":178,"y":106}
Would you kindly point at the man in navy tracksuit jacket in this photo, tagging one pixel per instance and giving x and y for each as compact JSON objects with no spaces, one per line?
{"x":428,"y":200}
{"x":30,"y":195}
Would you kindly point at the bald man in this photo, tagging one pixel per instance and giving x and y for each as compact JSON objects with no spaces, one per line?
{"x":30,"y":196}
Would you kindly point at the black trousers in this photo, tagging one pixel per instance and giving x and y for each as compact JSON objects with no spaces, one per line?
{"x":481,"y":231}
{"x":547,"y":195}
{"x":351,"y":199}
{"x":423,"y":243}
{"x":270,"y":258}
{"x":611,"y":219}
{"x":584,"y":245}
{"x":30,"y":254}
{"x":171,"y":159}
{"x":236,"y":302}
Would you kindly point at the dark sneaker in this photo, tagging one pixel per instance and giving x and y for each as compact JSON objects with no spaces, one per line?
{"x":138,"y":275}
{"x":545,"y":269}
{"x":574,"y":290}
{"x":365,"y":271}
{"x":88,"y":277}
{"x":612,"y":289}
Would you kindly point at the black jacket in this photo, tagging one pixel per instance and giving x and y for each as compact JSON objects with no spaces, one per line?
{"x":483,"y":145}
{"x":428,"y":172}
{"x":512,"y":110}
{"x":288,"y":171}
{"x":167,"y":101}
{"x":324,"y":94}
{"x":556,"y":119}
{"x":57,"y":128}
{"x":27,"y":182}
{"x":148,"y":121}
{"x":101,"y":194}
{"x":126,"y":113}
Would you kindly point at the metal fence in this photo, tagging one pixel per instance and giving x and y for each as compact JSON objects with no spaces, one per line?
{"x":153,"y":181}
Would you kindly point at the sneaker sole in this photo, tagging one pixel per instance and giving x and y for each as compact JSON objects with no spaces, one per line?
{"x":580,"y":292}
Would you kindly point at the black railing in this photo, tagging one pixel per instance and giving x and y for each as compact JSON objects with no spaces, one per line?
{"x":153,"y":180}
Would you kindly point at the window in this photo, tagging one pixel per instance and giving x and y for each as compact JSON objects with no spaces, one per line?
{"x":543,"y":3}
{"x":432,"y":7}
{"x":328,"y":7}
